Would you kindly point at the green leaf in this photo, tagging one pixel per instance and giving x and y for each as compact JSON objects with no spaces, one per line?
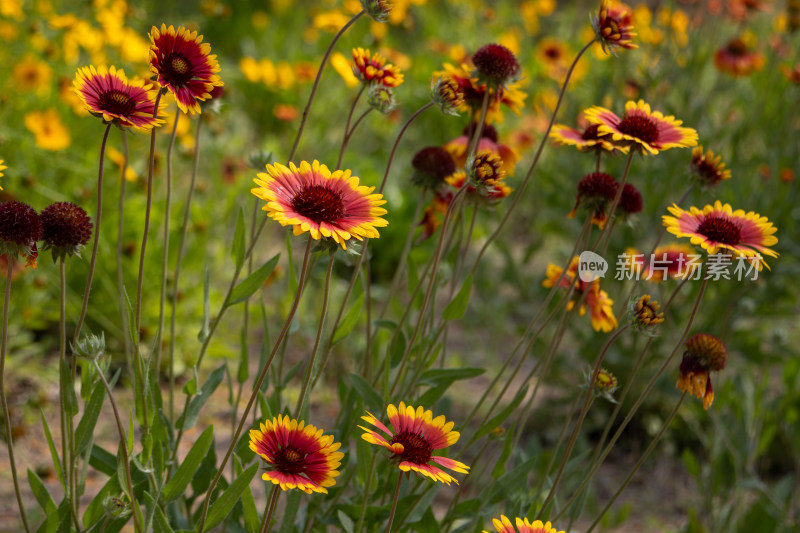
{"x":91,"y":412}
{"x":510,"y":481}
{"x":237,"y":247}
{"x":224,"y":504}
{"x":183,"y":475}
{"x":347,"y":522}
{"x":440,"y":376}
{"x":290,"y":511}
{"x":502,"y":415}
{"x":103,"y":461}
{"x":160,"y":522}
{"x":371,"y":397}
{"x":208,"y":388}
{"x":249,"y":511}
{"x":68,"y":397}
{"x":57,"y":521}
{"x":458,"y":306}
{"x":350,"y":320}
{"x":41,"y":493}
{"x":500,"y":466}
{"x":247,"y":287}
{"x":53,"y":452}
{"x":202,"y":335}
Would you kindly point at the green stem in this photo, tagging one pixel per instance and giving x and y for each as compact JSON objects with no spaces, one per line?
{"x":93,"y":260}
{"x":316,"y":83}
{"x":527,"y":177}
{"x":402,"y":132}
{"x":123,"y":303}
{"x":6,"y":417}
{"x":347,"y":132}
{"x":181,"y":245}
{"x":257,"y":386}
{"x":366,"y":493}
{"x":639,"y":463}
{"x":273,"y":500}
{"x":326,"y":293}
{"x":394,"y":503}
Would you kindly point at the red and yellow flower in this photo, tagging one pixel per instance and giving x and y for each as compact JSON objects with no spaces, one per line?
{"x":183,"y":63}
{"x":312,"y":199}
{"x":504,"y":525}
{"x":601,"y":307}
{"x":707,"y":169}
{"x":472,"y":90}
{"x":704,"y":353}
{"x":586,"y":140}
{"x":736,"y":59}
{"x":488,"y":142}
{"x":107,"y":93}
{"x":372,"y":68}
{"x":415,"y":437}
{"x":642,"y":129}
{"x":300,"y":456}
{"x":718,"y":228}
{"x":613,"y":26}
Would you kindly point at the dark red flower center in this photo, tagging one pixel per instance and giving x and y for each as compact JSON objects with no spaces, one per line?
{"x":177,"y":69}
{"x":319,"y":204}
{"x":708,"y":172}
{"x":591,"y":133}
{"x":720,"y":229}
{"x":737,"y":47}
{"x":552,"y":52}
{"x":290,"y":460}
{"x":117,"y":103}
{"x":639,"y":126}
{"x":416,"y":449}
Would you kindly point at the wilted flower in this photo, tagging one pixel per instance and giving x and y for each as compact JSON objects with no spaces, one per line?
{"x":20,"y":228}
{"x":630,"y":201}
{"x":415,"y":437}
{"x":66,"y":228}
{"x":300,"y":456}
{"x":595,"y":192}
{"x":708,"y":170}
{"x":431,"y":166}
{"x":704,"y":354}
{"x":601,"y":307}
{"x":645,"y":315}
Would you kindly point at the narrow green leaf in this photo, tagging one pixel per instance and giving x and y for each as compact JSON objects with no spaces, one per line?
{"x":500,"y":466}
{"x":440,"y":376}
{"x":243,"y":371}
{"x":347,"y":522}
{"x":53,"y":453}
{"x":103,"y":460}
{"x":350,"y":320}
{"x":183,"y":475}
{"x":160,"y":522}
{"x":458,"y":306}
{"x":91,"y":412}
{"x":237,"y":247}
{"x":57,"y":521}
{"x":205,"y":392}
{"x":370,"y":396}
{"x":290,"y":511}
{"x":500,"y":417}
{"x":41,"y":493}
{"x":202,"y":335}
{"x":224,"y":504}
{"x":249,"y":511}
{"x":247,"y":287}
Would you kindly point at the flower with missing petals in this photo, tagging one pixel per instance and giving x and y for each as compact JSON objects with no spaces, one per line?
{"x":20,"y":228}
{"x":645,"y":315}
{"x":704,"y":354}
{"x":495,"y":65}
{"x":707,"y":169}
{"x":414,"y":436}
{"x":595,"y":192}
{"x":601,"y":307}
{"x":66,"y":228}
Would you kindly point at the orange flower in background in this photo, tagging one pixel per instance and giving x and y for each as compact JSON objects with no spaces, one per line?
{"x":300,"y":456}
{"x":601,"y":307}
{"x":718,"y":228}
{"x":641,"y":129}
{"x":415,"y":437}
{"x":183,"y":64}
{"x":504,"y":525}
{"x":704,"y":354}
{"x":372,"y":68}
{"x":327,"y":205}
{"x":792,"y":73}
{"x":107,"y":93}
{"x":736,"y":59}
{"x":48,"y":130}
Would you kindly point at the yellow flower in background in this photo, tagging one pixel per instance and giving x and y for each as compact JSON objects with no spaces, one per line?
{"x":556,"y":57}
{"x":8,"y":31}
{"x":30,"y":74}
{"x":344,"y":67}
{"x":12,"y":9}
{"x":49,"y":131}
{"x":2,"y":168}
{"x":330,"y":21}
{"x":118,"y":158}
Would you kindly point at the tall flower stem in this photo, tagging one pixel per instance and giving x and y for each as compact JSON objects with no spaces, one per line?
{"x":426,"y":299}
{"x":67,"y":436}
{"x":639,"y":463}
{"x":608,"y":227}
{"x":123,"y":302}
{"x":304,"y":391}
{"x":638,"y":402}
{"x":400,"y":135}
{"x":93,"y":260}
{"x":527,"y":177}
{"x":365,"y":498}
{"x":394,"y":503}
{"x":162,"y":301}
{"x":476,"y":135}
{"x":587,"y":401}
{"x":187,"y":210}
{"x":273,"y":500}
{"x":316,"y":83}
{"x":3,"y":400}
{"x":122,"y":446}
{"x":259,"y":381}
{"x":347,"y":132}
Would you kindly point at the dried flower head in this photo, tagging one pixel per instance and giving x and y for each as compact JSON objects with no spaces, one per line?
{"x":495,"y":65}
{"x":630,"y":201}
{"x":447,"y":95}
{"x":704,"y":354}
{"x":595,"y":192}
{"x":645,"y":316}
{"x":708,"y":170}
{"x":66,"y":228}
{"x":20,"y":228}
{"x":431,"y":166}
